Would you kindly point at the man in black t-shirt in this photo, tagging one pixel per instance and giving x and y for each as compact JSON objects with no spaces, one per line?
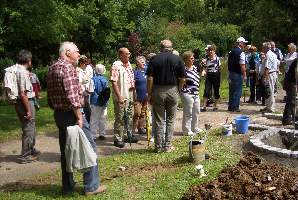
{"x":165,"y":78}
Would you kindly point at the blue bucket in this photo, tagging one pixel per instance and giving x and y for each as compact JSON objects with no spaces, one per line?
{"x":242,"y":123}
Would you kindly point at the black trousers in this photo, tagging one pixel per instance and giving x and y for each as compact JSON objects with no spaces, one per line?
{"x":289,"y":111}
{"x":212,"y":81}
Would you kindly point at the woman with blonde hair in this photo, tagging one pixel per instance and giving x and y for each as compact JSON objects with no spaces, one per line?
{"x":190,"y":96}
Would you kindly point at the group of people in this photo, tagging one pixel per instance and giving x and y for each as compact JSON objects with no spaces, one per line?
{"x":79,"y":92}
{"x":260,"y":71}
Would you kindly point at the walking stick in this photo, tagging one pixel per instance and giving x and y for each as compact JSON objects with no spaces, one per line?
{"x":126,"y":125}
{"x":148,"y":128}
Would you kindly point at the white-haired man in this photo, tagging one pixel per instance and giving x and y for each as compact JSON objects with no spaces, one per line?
{"x":270,"y":77}
{"x":166,"y":75}
{"x":65,"y":97}
{"x":98,"y":102}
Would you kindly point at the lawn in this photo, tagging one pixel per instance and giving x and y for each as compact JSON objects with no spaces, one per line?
{"x":147,"y":176}
{"x":10,"y":127}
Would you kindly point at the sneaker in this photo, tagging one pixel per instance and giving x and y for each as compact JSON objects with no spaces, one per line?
{"x":27,"y":159}
{"x":198,"y":130}
{"x":215,"y":109}
{"x":119,"y":144}
{"x":142,"y":131}
{"x":35,"y":152}
{"x":152,"y":139}
{"x":99,"y":190}
{"x":204,"y":109}
{"x":169,"y":149}
{"x":133,"y":139}
{"x":190,"y":133}
{"x":101,"y":137}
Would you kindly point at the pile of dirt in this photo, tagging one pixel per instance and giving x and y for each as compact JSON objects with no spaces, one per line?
{"x":249,"y":179}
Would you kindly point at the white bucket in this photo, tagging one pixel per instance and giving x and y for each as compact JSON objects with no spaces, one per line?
{"x":227,"y":129}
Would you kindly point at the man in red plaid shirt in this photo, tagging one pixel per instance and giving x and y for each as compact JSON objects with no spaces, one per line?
{"x":65,"y":96}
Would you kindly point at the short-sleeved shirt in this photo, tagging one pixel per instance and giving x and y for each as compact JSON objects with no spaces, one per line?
{"x":115,"y":73}
{"x":64,"y":90}
{"x":141,"y":84}
{"x":213,"y":66}
{"x":192,"y":81}
{"x":33,"y":78}
{"x":271,"y":62}
{"x":166,"y":68}
{"x":23,"y":81}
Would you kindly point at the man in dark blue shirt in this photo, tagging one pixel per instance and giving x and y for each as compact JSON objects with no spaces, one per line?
{"x":166,"y":73}
{"x":236,"y":67}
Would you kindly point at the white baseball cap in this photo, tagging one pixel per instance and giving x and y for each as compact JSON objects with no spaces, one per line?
{"x":241,"y":39}
{"x":207,"y":47}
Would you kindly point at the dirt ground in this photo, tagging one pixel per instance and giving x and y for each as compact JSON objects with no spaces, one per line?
{"x":251,"y":178}
{"x":11,"y":171}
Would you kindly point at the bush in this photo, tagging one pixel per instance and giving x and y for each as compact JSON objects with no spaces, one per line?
{"x":42,"y":76}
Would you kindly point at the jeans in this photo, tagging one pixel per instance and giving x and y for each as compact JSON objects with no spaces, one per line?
{"x":64,"y":119}
{"x":212,"y":82}
{"x":191,"y":110}
{"x":28,"y":127}
{"x":235,"y":90}
{"x":165,"y":101}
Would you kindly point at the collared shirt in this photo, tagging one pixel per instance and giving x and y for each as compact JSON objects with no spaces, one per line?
{"x":166,"y":68}
{"x":271,"y":62}
{"x":64,"y":91}
{"x":23,"y":81}
{"x":115,"y":73}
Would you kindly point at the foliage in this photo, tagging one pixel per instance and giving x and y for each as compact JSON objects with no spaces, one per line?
{"x":100,"y":27}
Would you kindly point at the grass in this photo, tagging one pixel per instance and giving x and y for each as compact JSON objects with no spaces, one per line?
{"x":148,"y":175}
{"x":10,"y":126}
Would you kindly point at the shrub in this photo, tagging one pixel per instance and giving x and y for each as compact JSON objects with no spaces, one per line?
{"x":42,"y":76}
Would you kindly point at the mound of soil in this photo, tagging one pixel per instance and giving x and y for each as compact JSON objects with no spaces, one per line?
{"x":249,"y":179}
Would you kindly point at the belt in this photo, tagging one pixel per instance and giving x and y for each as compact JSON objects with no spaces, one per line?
{"x":30,"y":99}
{"x":272,"y":72}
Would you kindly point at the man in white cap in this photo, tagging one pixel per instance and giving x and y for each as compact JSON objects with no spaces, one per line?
{"x":237,"y":73}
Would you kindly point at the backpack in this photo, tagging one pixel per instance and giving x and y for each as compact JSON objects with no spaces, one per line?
{"x":10,"y":84}
{"x":104,"y":95}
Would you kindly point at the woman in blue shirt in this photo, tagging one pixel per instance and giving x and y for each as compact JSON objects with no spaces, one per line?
{"x":140,"y":105}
